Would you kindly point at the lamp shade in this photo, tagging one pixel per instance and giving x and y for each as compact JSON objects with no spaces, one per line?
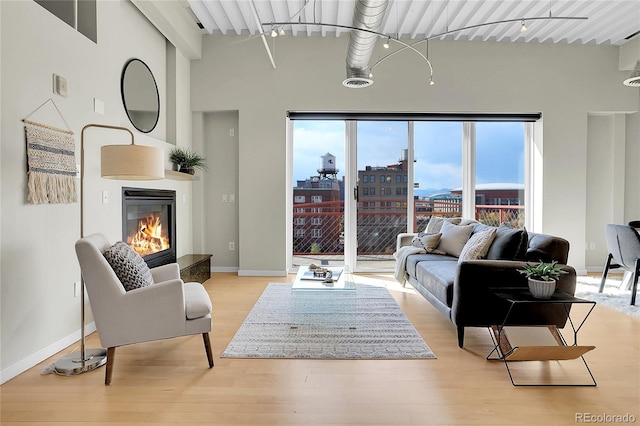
{"x":132,"y":162}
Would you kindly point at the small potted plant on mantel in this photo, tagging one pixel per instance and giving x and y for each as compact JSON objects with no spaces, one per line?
{"x":542,"y":278}
{"x":187,"y":161}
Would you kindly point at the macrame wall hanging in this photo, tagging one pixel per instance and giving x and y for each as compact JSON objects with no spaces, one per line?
{"x":51,"y":162}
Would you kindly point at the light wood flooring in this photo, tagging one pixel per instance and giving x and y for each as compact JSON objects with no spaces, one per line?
{"x":168,"y":382}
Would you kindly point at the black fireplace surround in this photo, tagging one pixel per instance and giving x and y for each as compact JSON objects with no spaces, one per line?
{"x":144,"y":209}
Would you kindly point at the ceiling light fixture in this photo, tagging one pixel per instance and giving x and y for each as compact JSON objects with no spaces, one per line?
{"x":274,"y":33}
{"x":281,"y":31}
{"x":523,"y":28}
{"x":634,"y":78}
{"x":386,"y":43}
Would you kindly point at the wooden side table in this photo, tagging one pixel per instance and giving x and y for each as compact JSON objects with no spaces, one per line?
{"x":195,"y":267}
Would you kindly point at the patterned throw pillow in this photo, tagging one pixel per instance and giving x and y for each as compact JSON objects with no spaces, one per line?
{"x":129,"y":267}
{"x":428,"y":242}
{"x":478,"y":245}
{"x":453,"y":238}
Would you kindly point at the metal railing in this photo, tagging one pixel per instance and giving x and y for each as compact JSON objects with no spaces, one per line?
{"x":318,"y":228}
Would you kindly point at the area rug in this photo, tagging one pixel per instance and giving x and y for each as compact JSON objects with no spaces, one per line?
{"x":611,"y":297}
{"x":363,"y":324}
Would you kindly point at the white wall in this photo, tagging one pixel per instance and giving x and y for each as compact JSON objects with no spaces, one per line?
{"x":564,"y":82}
{"x":39,"y":313}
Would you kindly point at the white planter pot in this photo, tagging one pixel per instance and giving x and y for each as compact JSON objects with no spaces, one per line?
{"x":541,"y":289}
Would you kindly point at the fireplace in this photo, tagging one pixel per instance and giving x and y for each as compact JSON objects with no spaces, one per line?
{"x":149,"y":224}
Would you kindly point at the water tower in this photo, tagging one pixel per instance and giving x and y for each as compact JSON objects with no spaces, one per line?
{"x":328,"y":169}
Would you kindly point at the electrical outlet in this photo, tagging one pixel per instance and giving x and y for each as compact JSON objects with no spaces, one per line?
{"x":232,"y":246}
{"x":224,"y":198}
{"x":105,"y":197}
{"x":232,"y":198}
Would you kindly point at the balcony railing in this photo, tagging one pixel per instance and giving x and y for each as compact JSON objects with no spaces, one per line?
{"x":318,"y":228}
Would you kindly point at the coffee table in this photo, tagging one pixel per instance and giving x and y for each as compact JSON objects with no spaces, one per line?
{"x":335,"y":303}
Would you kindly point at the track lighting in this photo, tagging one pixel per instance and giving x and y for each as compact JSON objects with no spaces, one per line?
{"x":431,"y":82}
{"x":523,"y":28}
{"x":281,"y":31}
{"x":386,"y":43}
{"x":274,"y":33}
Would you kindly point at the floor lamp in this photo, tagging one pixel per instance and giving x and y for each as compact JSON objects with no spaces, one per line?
{"x":126,"y":162}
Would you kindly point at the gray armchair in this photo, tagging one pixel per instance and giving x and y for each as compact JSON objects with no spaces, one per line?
{"x":167,"y":308}
{"x":623,"y":244}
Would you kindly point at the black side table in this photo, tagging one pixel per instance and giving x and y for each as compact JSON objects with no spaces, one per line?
{"x":548,"y":343}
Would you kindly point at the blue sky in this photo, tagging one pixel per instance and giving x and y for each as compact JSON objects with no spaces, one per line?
{"x":438,"y":149}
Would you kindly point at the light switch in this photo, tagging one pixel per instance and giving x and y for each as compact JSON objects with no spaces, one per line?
{"x":232,"y":198}
{"x":98,"y":106}
{"x":59,"y":85}
{"x":225,"y":198}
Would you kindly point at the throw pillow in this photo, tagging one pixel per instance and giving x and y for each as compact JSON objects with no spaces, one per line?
{"x":435,"y":224}
{"x":128,"y":266}
{"x":453,"y":238}
{"x":428,"y":242}
{"x":478,"y":245}
{"x":509,"y":244}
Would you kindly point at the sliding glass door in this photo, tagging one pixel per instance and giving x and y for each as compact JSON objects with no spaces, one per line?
{"x":382,"y":191}
{"x":357,"y":184}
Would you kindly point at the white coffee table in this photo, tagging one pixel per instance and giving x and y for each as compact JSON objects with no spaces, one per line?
{"x":314,"y":302}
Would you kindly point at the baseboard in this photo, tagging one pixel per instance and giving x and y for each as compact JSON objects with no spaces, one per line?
{"x":224,"y":269}
{"x":253,"y":273}
{"x":593,"y":269}
{"x":32,"y":360}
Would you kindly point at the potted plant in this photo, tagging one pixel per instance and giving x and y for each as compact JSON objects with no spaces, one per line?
{"x":187,"y":160}
{"x":542,"y":278}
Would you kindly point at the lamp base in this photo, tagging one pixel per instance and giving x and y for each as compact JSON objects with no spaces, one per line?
{"x":71,"y":365}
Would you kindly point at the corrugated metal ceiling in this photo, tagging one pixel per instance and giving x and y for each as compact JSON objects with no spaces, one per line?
{"x":609,"y":22}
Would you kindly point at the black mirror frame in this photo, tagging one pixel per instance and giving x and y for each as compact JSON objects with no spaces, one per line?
{"x":124,"y":101}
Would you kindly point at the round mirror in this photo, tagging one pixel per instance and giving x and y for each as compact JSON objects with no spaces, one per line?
{"x":140,"y":95}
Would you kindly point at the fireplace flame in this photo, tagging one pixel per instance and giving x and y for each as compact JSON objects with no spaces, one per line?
{"x":149,"y":238}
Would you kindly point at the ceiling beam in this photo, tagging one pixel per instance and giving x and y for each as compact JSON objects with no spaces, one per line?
{"x":173,"y":21}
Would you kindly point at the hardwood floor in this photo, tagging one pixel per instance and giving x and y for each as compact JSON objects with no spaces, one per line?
{"x":168,"y":382}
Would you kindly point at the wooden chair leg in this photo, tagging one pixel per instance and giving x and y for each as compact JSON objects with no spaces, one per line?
{"x":604,"y":272}
{"x":207,"y":347}
{"x":111,"y":355}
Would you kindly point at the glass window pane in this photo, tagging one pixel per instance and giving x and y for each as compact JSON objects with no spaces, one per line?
{"x":437,"y":171}
{"x":500,"y":173}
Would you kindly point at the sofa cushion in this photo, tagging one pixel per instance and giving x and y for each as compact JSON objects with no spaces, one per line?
{"x":414,"y":259}
{"x":478,"y":245}
{"x":435,"y":223}
{"x":129,"y":267}
{"x":428,"y":242}
{"x":508,"y":244}
{"x":437,"y":278}
{"x":197,"y":303}
{"x":453,"y":238}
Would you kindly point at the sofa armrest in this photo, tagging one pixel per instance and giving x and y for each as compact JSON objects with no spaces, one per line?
{"x":475,"y":303}
{"x":404,"y":239}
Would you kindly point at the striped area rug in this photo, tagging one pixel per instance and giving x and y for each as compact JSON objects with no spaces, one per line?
{"x":365,"y":323}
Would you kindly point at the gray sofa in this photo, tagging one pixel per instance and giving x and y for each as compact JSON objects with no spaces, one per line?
{"x":465,"y":291}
